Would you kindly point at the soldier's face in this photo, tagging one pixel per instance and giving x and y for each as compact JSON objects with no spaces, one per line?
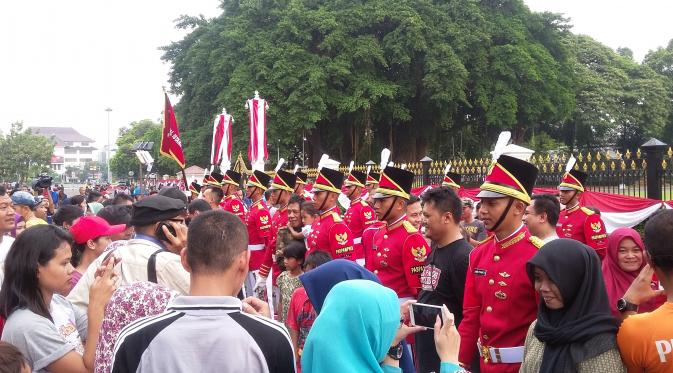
{"x":352,"y":193}
{"x":547,"y":289}
{"x":566,"y":196}
{"x":491,"y":210}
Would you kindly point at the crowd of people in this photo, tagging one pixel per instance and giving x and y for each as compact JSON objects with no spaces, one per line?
{"x":274,"y":276}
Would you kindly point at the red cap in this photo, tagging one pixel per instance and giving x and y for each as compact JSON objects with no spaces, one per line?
{"x":91,"y":227}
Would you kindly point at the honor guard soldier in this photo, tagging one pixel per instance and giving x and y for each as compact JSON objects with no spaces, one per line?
{"x":282,"y":188}
{"x":195,"y":189}
{"x":299,"y":190}
{"x":399,"y":250}
{"x":258,"y":219}
{"x":212,"y":190}
{"x":500,"y":302}
{"x":330,"y":233}
{"x":451,"y":179}
{"x":370,"y":186}
{"x":232,"y":203}
{"x":576,"y":221}
{"x":359,"y":215}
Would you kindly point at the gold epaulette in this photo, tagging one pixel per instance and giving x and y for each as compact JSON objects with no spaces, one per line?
{"x":587,"y":211}
{"x":536,"y":241}
{"x":488,"y":237}
{"x":336,"y":217}
{"x":409,"y":227}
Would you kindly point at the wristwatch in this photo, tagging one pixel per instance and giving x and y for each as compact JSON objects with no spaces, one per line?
{"x":625,"y":306}
{"x":395,"y":352}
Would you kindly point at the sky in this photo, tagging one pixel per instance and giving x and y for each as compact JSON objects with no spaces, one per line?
{"x":62,"y":63}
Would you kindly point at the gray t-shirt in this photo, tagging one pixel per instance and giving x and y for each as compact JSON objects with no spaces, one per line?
{"x":42,"y":341}
{"x":476,"y":229}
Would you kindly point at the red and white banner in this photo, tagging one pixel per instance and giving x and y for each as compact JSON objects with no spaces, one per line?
{"x":257,"y":152}
{"x":616,"y":210}
{"x":220,"y":153}
{"x":171,"y":146}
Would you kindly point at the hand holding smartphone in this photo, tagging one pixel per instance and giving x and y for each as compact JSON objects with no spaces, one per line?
{"x":425,"y":315}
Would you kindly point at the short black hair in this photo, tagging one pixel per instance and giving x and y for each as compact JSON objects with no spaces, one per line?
{"x":657,"y":237}
{"x":3,"y":190}
{"x":120,"y":198}
{"x":93,"y":196}
{"x":295,"y":249}
{"x":445,"y":200}
{"x":77,"y":200}
{"x":316,"y":258}
{"x":115,"y":215}
{"x":295,"y":198}
{"x":67,"y":214}
{"x":198,"y":205}
{"x":217,"y":190}
{"x":412,"y":199}
{"x":214,"y":239}
{"x":547,"y":204}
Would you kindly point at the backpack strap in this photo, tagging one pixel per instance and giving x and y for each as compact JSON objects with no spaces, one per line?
{"x":152,"y":266}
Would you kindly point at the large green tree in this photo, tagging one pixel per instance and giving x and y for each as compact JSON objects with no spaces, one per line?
{"x":354,"y":76}
{"x":661,"y":61}
{"x":24,"y":154}
{"x":125,"y":159}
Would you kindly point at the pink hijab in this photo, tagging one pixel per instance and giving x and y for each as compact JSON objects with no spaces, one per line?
{"x":617,"y":281}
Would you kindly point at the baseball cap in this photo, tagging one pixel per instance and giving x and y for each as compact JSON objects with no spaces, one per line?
{"x":91,"y":227}
{"x":24,"y":198}
{"x":467,"y":201}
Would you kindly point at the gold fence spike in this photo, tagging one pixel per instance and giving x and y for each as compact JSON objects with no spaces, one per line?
{"x":593,"y":166}
{"x":580,"y":157}
{"x":602,"y":166}
{"x":598,"y":155}
{"x":612,"y":165}
{"x":633,"y":164}
{"x":585,"y":168}
{"x":623,"y":165}
{"x":670,"y":152}
{"x":664,"y":164}
{"x":547,"y":159}
{"x":644,"y":164}
{"x":588,"y":156}
{"x":627,"y":155}
{"x":638,"y":153}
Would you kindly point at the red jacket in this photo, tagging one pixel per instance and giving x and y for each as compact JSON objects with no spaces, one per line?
{"x":235,"y":206}
{"x":500,"y":302}
{"x":583,"y":225}
{"x":399,"y":254}
{"x":358,"y":217}
{"x":330,"y":234}
{"x":368,"y":243}
{"x":259,"y":227}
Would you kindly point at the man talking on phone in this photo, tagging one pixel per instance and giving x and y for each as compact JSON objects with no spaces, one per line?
{"x":443,"y":277}
{"x":151,"y":255}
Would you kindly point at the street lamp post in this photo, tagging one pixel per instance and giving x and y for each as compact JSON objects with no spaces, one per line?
{"x":107,"y":151}
{"x":278,"y":150}
{"x":303,"y":157}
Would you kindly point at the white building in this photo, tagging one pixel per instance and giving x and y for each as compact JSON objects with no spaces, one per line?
{"x":72,"y":148}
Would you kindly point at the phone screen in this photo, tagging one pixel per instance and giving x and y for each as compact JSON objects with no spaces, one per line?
{"x":425,"y":314}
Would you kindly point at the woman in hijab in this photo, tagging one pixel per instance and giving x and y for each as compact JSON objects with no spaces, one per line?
{"x":623,"y":262}
{"x":372,"y":312}
{"x":574,"y":330}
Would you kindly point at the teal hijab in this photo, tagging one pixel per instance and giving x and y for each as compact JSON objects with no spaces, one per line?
{"x":354,"y":330}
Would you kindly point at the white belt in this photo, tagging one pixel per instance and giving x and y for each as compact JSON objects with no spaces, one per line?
{"x":357,"y":241}
{"x":257,"y":247}
{"x":505,"y":355}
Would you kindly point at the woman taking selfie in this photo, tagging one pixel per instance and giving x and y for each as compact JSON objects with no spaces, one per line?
{"x":48,"y":330}
{"x":574,"y":330}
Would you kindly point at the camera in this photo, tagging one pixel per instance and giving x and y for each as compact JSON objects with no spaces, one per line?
{"x":42,"y":181}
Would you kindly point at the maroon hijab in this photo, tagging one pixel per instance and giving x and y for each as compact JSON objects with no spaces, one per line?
{"x":617,"y":281}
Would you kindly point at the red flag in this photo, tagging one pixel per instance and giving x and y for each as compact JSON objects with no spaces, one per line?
{"x":218,"y":134}
{"x":257,"y":150}
{"x":171,"y":146}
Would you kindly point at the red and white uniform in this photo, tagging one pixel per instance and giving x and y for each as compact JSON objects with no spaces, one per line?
{"x":279,"y":219}
{"x":234,"y":205}
{"x":259,"y":229}
{"x":368,"y":243}
{"x":500,"y":302}
{"x":330,"y":234}
{"x":399,"y":253}
{"x":583,"y":225}
{"x":358,"y":217}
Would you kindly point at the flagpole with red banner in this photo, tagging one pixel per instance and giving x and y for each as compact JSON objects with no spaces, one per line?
{"x":171,"y":145}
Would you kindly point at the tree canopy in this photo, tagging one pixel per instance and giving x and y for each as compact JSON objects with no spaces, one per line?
{"x":24,"y":154}
{"x":422,"y":77}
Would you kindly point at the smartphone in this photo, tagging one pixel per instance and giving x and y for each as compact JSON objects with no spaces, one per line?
{"x":424,"y":314}
{"x":160,"y":232}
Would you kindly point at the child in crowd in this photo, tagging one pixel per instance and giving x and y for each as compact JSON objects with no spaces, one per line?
{"x":288,"y":281}
{"x":309,"y":212}
{"x":301,"y":314}
{"x":11,"y":359}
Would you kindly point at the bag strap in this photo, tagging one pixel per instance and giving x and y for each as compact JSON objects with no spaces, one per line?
{"x":152,"y":266}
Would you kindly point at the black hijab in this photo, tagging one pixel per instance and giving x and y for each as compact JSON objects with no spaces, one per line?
{"x":584,"y":327}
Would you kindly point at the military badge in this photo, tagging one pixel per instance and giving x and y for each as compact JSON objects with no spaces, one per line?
{"x":596,"y":226}
{"x":419,"y":253}
{"x":368,"y":214}
{"x":341,"y":238}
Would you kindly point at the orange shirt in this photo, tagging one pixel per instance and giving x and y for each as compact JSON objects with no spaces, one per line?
{"x":646,"y":341}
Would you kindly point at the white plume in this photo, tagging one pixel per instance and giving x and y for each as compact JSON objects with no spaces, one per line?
{"x":350,"y":167}
{"x":404,"y":166}
{"x":385,"y":156}
{"x":369,"y":168}
{"x":322,"y":161}
{"x":500,"y":145}
{"x":571,"y":163}
{"x":280,"y":164}
{"x":447,"y":168}
{"x":296,"y":167}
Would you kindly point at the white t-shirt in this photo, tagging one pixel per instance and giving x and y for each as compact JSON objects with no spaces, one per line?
{"x":6,"y":243}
